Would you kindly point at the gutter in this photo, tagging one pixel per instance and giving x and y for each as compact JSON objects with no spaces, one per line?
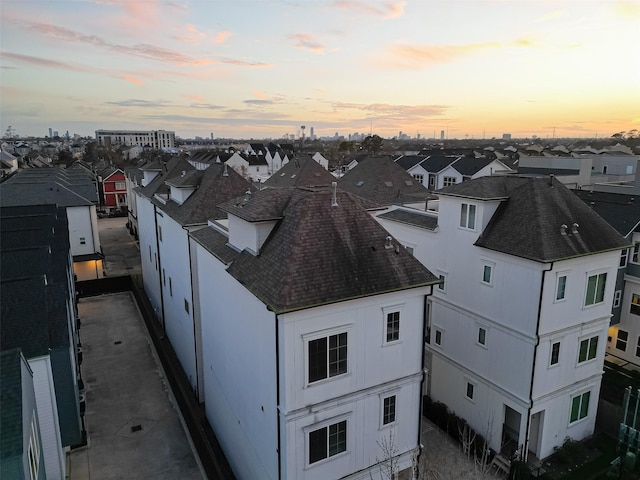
{"x":533,"y":366}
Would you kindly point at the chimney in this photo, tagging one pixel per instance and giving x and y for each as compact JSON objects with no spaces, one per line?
{"x":334,"y":194}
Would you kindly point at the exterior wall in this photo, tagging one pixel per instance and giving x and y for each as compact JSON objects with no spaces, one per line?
{"x":449,"y":171}
{"x":419,"y":170}
{"x":375,"y":369}
{"x":48,"y":418}
{"x":132,"y":207}
{"x":89,"y":270}
{"x":113,"y":195}
{"x":491,"y":169}
{"x":82,"y":225}
{"x":615,"y":164}
{"x":29,"y":418}
{"x":67,"y":395}
{"x":629,"y":322}
{"x":149,"y":260}
{"x":156,"y":139}
{"x":239,"y":369}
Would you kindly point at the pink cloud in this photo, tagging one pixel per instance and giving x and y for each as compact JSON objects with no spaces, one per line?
{"x":134,"y":80}
{"x":306,"y":42}
{"x":385,"y":10}
{"x":222,"y":36}
{"x":45,"y":62}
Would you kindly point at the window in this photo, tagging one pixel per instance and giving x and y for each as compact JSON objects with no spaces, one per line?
{"x":409,"y":249}
{"x":624,"y":255}
{"x":327,"y":441}
{"x":561,"y":287}
{"x":621,"y":342}
{"x":638,"y":347}
{"x":588,"y":349}
{"x":595,"y":289}
{"x":438,"y":337}
{"x":393,"y":327}
{"x":327,"y":357}
{"x":482,"y":336}
{"x":419,"y":177}
{"x":150,"y":258}
{"x":470,"y":388}
{"x":83,"y":240}
{"x":468,"y":216}
{"x":34,"y":451}
{"x":120,"y":186}
{"x":389,"y":410}
{"x":186,"y":305}
{"x":617,"y":298}
{"x":446,"y":181}
{"x":164,"y":277}
{"x":160,"y":232}
{"x":170,"y":287}
{"x":487,"y":273}
{"x":442,"y":284}
{"x":635,"y":256}
{"x":579,"y":407}
{"x":555,"y":354}
{"x":635,"y":304}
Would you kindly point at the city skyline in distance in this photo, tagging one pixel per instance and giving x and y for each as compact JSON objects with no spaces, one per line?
{"x":263,"y":69}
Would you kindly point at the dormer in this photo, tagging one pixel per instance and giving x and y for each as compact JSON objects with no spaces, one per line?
{"x":183,"y":186}
{"x":248,"y":235}
{"x":150,"y":172}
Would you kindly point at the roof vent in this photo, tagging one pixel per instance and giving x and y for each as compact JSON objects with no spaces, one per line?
{"x":184,"y":172}
{"x":574,"y":228}
{"x":225,"y":173}
{"x":551,"y":175}
{"x":563,"y":229}
{"x":334,"y":194}
{"x":387,"y":242}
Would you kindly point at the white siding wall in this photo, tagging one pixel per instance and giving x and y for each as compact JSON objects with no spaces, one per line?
{"x":239,"y":369}
{"x":149,"y":252}
{"x":82,"y":225}
{"x":48,"y":417}
{"x":251,"y":235}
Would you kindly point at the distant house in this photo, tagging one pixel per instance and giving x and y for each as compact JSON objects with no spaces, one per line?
{"x":301,"y":171}
{"x":8,"y":163}
{"x":518,"y":327}
{"x":21,"y":448}
{"x":38,"y":316}
{"x":310,"y":323}
{"x":114,"y":188}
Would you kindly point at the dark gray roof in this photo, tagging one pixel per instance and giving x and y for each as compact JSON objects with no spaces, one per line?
{"x":469,"y":166}
{"x":417,"y":219}
{"x":75,"y":179}
{"x":319,"y":254}
{"x":621,"y":211}
{"x":216,"y":243}
{"x":380,"y":180}
{"x":302,"y":171}
{"x":438,"y":162}
{"x":409,"y":161}
{"x":545,"y":172}
{"x":528,"y":221}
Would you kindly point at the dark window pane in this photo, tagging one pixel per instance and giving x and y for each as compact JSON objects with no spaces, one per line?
{"x":393,"y":326}
{"x":317,"y":359}
{"x":337,"y":438}
{"x":317,"y":445}
{"x":337,"y":354}
{"x":593,"y":347}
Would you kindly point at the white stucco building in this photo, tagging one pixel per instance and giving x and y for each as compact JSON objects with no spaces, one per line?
{"x":518,"y":329}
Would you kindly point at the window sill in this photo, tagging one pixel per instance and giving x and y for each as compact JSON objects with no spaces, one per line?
{"x":327,"y":380}
{"x":325,"y":460}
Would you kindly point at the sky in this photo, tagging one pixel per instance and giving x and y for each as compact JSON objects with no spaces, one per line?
{"x":265,"y":68}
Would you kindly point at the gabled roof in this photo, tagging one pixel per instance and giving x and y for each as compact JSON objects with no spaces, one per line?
{"x":469,"y":166}
{"x":528,"y":222}
{"x":256,"y":160}
{"x":380,"y":180}
{"x":409,"y":161}
{"x":319,"y":254}
{"x":438,"y":162}
{"x":621,"y":211}
{"x":301,"y":171}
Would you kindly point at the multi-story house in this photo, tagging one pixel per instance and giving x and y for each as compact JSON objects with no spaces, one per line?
{"x":174,"y":199}
{"x":518,"y":327}
{"x":113,"y":188}
{"x":311,"y":319}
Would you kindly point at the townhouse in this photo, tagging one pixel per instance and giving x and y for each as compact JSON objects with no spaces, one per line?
{"x":518,"y":327}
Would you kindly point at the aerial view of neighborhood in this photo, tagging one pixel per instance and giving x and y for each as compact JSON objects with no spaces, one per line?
{"x":394,"y":240}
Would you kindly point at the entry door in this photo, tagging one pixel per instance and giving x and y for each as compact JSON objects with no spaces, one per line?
{"x":535,"y":435}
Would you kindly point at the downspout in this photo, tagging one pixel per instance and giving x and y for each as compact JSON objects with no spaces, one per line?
{"x":155,"y":222}
{"x":425,"y":318}
{"x":278,"y":394}
{"x":525,"y":452}
{"x":193,"y":313}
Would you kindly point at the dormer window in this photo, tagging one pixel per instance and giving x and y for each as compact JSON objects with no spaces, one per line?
{"x":468,"y":216}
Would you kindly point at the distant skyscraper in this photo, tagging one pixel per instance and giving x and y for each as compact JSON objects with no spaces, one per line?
{"x":50,"y":132}
{"x":506,"y":136}
{"x":441,"y":134}
{"x":312,"y":135}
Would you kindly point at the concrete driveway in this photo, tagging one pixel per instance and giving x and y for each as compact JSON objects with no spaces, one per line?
{"x":121,"y":251}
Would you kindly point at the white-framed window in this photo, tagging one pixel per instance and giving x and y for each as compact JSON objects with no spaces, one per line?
{"x":561,"y":287}
{"x":446,"y":181}
{"x":442,"y":276}
{"x":595,"y":289}
{"x":624,"y":257}
{"x":389,"y":410}
{"x":579,"y":407}
{"x":635,"y":253}
{"x":635,"y":304}
{"x":621,"y":341}
{"x":418,"y":177}
{"x":487,"y":273}
{"x":326,"y":356}
{"x":468,"y":216}
{"x":588,"y":349}
{"x":392,"y":326}
{"x":327,"y":441}
{"x":482,"y":336}
{"x":438,"y":337}
{"x":471,"y":390}
{"x":555,"y":354}
{"x":617,"y":298}
{"x":120,"y":186}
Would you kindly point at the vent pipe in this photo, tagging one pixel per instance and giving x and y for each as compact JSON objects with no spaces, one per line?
{"x":574,"y":228}
{"x":387,"y":242}
{"x":563,"y":229}
{"x":334,"y":194}
{"x":225,"y":173}
{"x":551,"y":175}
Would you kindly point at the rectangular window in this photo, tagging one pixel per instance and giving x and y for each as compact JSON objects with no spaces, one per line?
{"x":441,"y":285}
{"x":561,"y":287}
{"x":588,"y":349}
{"x":83,"y":240}
{"x":624,"y":255}
{"x":555,"y":354}
{"x":617,"y":298}
{"x":327,"y":441}
{"x":393,"y":327}
{"x":446,"y":181}
{"x":638,"y":347}
{"x":595,"y":289}
{"x":635,"y":256}
{"x":389,"y":410}
{"x":170,"y":287}
{"x":635,"y":304}
{"x":470,"y":388}
{"x":186,"y":305}
{"x":120,"y":186}
{"x":482,"y":336}
{"x":438,"y":337}
{"x":150,"y":258}
{"x":160,"y":232}
{"x":409,"y":249}
{"x":418,"y":177}
{"x":621,"y":342}
{"x":468,"y":216}
{"x":487,"y":272}
{"x":164,"y":277}
{"x":579,"y":407}
{"x":327,"y":357}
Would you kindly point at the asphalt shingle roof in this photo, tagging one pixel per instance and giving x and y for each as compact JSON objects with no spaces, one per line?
{"x":301,"y":171}
{"x":621,"y":211}
{"x":417,"y":219}
{"x":528,"y":221}
{"x":216,"y":243}
{"x":319,"y":254}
